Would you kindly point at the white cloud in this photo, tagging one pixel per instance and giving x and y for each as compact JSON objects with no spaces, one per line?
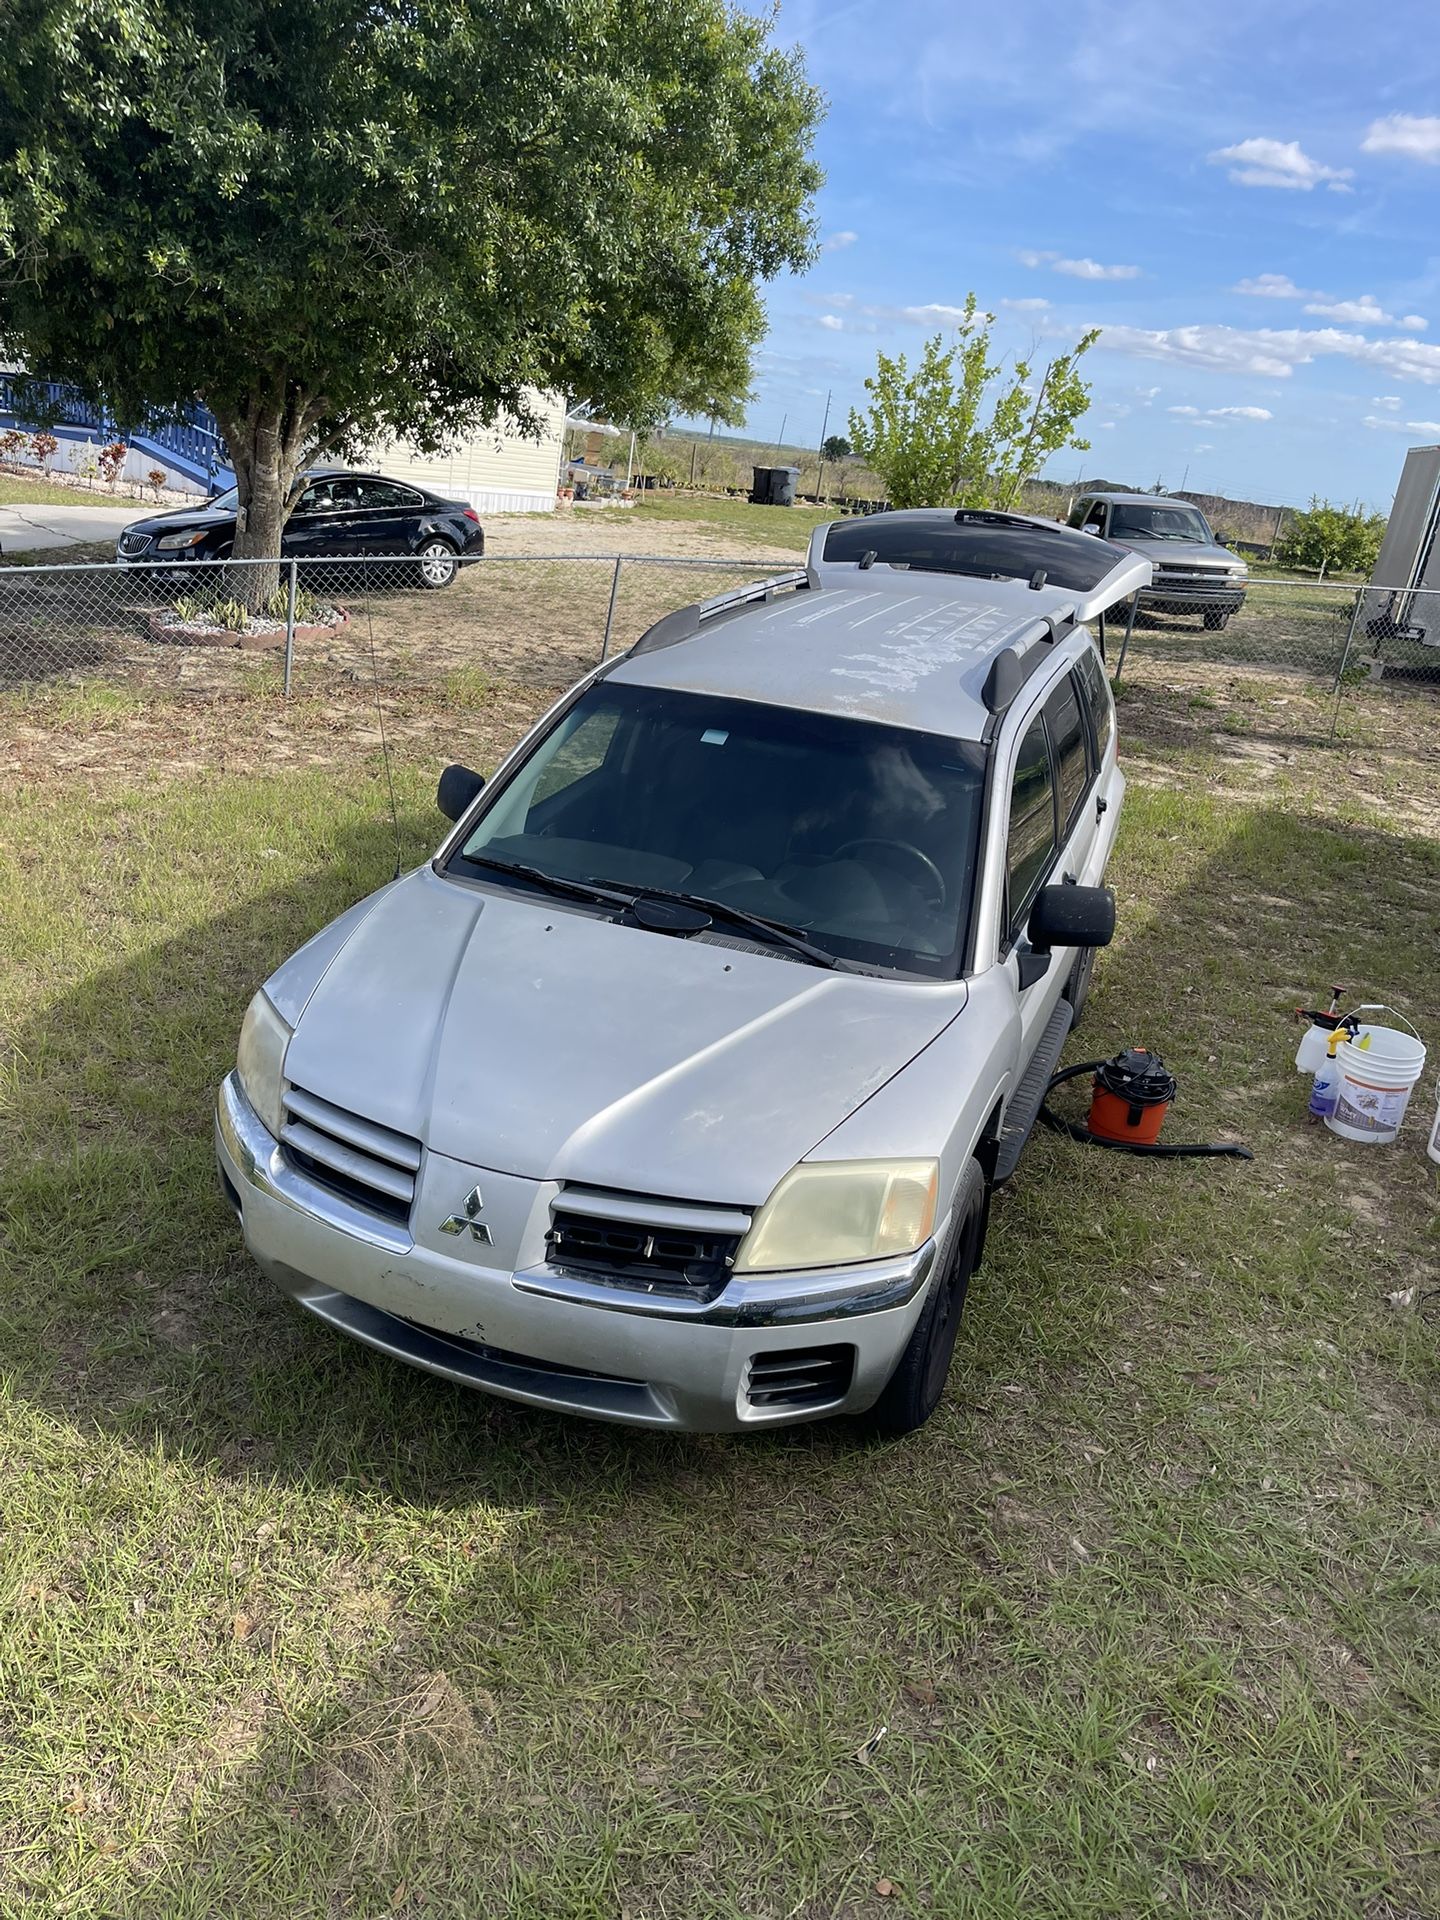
{"x":1391,"y":400}
{"x":1364,"y":312}
{"x":1221,"y":413}
{"x":1415,"y":135}
{"x":1147,"y":394}
{"x":1026,"y":306}
{"x":1077,"y":269}
{"x":1274,"y":352}
{"x":1413,"y":322}
{"x":1205,"y":446}
{"x":1273,"y":286}
{"x":837,"y":242}
{"x":1107,"y":426}
{"x":1278,"y":163}
{"x":832,"y":322}
{"x":1401,"y":426}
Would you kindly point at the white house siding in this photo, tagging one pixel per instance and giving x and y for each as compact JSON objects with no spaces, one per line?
{"x":497,"y":471}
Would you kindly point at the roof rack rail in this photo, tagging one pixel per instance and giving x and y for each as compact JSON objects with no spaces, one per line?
{"x":685,"y":622}
{"x":1013,"y":665}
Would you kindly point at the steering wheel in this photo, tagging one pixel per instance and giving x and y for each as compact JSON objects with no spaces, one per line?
{"x":932,"y":873}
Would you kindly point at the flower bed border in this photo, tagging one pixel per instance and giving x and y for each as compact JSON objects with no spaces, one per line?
{"x":171,"y":634}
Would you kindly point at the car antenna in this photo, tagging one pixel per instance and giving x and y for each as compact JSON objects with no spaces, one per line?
{"x":384,"y":743}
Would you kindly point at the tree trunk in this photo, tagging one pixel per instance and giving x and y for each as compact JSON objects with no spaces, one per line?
{"x":269,"y":443}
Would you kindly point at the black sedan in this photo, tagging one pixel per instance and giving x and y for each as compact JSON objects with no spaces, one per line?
{"x":339,"y":514}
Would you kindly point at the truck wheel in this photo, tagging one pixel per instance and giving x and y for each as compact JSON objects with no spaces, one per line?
{"x":913,"y":1391}
{"x":1215,"y":620}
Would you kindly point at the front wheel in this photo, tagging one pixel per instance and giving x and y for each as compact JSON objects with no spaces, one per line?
{"x":913,"y":1391}
{"x":438,"y":565}
{"x":1077,"y":987}
{"x":1215,"y":620}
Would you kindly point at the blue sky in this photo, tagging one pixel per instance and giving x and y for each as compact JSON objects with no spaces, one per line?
{"x":1243,"y":197}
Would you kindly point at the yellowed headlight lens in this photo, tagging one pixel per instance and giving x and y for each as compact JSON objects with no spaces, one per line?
{"x":832,"y":1212}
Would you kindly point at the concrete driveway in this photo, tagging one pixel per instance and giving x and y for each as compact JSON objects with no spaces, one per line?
{"x":27,"y":529}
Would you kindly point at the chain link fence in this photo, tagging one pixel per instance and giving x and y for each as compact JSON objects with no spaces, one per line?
{"x":301,"y":625}
{"x":1317,"y":631}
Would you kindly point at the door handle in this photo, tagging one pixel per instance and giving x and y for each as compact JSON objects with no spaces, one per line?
{"x":1102,"y":805}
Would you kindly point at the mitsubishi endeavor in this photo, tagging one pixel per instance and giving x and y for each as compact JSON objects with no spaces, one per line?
{"x":674,"y":1088}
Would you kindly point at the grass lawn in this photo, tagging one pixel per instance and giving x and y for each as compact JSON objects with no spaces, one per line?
{"x":20,"y":490}
{"x":1145,"y":1622}
{"x":734,"y":521}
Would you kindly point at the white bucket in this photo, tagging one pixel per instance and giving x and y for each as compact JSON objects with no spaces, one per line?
{"x":1378,"y":1071}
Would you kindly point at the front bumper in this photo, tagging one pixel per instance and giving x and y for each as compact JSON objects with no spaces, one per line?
{"x":544,"y":1336}
{"x":1194,"y":595}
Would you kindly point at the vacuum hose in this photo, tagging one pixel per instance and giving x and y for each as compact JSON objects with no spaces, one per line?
{"x":1158,"y":1151}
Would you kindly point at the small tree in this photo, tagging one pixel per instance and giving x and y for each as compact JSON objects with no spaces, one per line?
{"x":924,"y":435}
{"x":110,"y":461}
{"x":156,"y":479}
{"x":1332,"y":539}
{"x":11,"y":443}
{"x":837,"y":447}
{"x":44,"y":446}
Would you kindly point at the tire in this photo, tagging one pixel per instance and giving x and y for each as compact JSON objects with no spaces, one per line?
{"x":1215,"y":620}
{"x":913,"y":1390}
{"x":1077,"y":987}
{"x":437,"y":565}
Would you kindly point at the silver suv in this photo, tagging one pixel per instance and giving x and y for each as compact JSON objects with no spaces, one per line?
{"x":1193,"y":573}
{"x":674,"y":1088}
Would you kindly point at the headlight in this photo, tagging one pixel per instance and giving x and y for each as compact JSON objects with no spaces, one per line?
{"x":264,"y":1037}
{"x":828,"y":1212}
{"x":174,"y":542}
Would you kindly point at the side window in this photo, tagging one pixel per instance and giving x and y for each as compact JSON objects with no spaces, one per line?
{"x":1091,"y":676}
{"x":386,"y":493}
{"x":1078,"y":513}
{"x":1096,"y":516}
{"x":315,"y":498}
{"x":1072,"y":759}
{"x":1030,"y":845}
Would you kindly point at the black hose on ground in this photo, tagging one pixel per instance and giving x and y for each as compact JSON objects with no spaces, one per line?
{"x":1160,"y":1151}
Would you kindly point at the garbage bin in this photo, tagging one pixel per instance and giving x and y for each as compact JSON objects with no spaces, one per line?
{"x":774,"y":486}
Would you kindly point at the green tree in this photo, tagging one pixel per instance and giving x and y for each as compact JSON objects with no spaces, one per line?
{"x":837,"y":447}
{"x":339,"y":220}
{"x":1332,"y":540}
{"x":925,"y":434}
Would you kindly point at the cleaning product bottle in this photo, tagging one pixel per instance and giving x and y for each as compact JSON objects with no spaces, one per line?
{"x":1326,"y":1087}
{"x":1433,"y":1147}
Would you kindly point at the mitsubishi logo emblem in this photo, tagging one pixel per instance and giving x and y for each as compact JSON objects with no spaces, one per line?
{"x":458,"y":1222}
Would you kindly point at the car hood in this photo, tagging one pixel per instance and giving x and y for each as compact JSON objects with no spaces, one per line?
{"x":514,"y":1034}
{"x":182,"y":517}
{"x":1188,"y":552}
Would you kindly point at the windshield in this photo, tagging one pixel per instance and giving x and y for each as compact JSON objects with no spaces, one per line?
{"x":229,"y":500}
{"x":1158,"y":523}
{"x":982,"y":547}
{"x":861,"y":836}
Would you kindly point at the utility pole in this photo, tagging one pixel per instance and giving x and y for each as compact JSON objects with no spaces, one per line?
{"x":820,"y":470}
{"x":784,"y":418}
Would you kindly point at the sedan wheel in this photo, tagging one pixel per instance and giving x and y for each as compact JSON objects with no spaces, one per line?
{"x":438,"y":565}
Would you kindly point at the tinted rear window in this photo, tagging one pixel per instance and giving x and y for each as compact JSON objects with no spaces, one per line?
{"x":1073,"y":561}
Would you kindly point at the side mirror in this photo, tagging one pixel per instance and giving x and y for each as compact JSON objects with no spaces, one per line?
{"x":457,"y":789}
{"x":1067,"y":916}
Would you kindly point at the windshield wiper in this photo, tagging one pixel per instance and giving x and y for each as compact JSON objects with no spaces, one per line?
{"x":773,"y":933}
{"x":552,"y":882}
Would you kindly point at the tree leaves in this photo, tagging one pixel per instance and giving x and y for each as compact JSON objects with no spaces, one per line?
{"x":923,"y":432}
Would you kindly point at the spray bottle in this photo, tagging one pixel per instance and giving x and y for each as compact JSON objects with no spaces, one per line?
{"x":1325,"y":1090}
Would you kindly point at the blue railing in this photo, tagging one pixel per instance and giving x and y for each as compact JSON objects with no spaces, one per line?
{"x":193,"y":439}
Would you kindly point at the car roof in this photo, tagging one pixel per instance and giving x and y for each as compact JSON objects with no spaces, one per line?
{"x":1138,"y":499}
{"x":907,"y":652}
{"x":907,"y":641}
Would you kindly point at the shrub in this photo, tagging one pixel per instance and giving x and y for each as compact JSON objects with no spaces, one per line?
{"x":110,"y":460}
{"x":156,"y":479}
{"x":44,"y":446}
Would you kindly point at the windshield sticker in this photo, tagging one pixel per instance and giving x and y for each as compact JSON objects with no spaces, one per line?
{"x":714,"y":737}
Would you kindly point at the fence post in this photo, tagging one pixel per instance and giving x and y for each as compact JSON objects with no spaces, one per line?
{"x":1129,"y":629}
{"x":290,"y":626}
{"x":610,"y":610}
{"x":1360,"y":593}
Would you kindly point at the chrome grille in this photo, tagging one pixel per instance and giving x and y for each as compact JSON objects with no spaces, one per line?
{"x":133,"y":543}
{"x":354,"y":1157}
{"x":800,"y":1377}
{"x":657,"y":1246}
